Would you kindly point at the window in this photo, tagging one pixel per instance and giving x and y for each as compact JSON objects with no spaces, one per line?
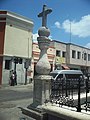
{"x":53,"y":74}
{"x":59,"y":77}
{"x":73,"y":76}
{"x":63,"y":54}
{"x":88,"y":57}
{"x":7,"y":64}
{"x":82,"y":56}
{"x":78,"y":55}
{"x":58,"y":53}
{"x":85,"y":56}
{"x":73,"y":54}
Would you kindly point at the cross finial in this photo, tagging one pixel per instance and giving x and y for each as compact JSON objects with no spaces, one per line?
{"x":44,"y":14}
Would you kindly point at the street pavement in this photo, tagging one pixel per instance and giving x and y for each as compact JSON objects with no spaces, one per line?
{"x":12,"y":98}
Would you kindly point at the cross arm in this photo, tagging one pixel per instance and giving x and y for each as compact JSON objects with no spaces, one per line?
{"x":48,"y":11}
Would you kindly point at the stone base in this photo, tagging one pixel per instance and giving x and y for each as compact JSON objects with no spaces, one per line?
{"x":53,"y":112}
{"x":41,"y":90}
{"x":64,"y":113}
{"x":41,"y":94}
{"x":35,"y":113}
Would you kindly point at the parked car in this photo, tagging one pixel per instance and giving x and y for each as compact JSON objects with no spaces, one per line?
{"x":68,"y":75}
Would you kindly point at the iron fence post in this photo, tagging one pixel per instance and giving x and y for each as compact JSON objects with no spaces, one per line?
{"x":79,"y":104}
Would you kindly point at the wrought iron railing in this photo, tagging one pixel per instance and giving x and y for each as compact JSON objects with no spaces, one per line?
{"x":71,"y":92}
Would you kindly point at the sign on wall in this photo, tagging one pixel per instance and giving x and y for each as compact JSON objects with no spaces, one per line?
{"x":60,"y":60}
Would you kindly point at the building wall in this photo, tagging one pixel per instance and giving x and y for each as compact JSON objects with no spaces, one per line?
{"x":36,"y":52}
{"x":15,"y":42}
{"x":80,"y":61}
{"x":2,"y":34}
{"x":59,"y":46}
{"x":18,"y":42}
{"x":1,"y":65}
{"x":68,"y":54}
{"x":72,"y":63}
{"x":75,"y":60}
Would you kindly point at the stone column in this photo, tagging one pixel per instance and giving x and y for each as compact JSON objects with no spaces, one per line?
{"x":42,"y":81}
{"x":41,"y":88}
{"x":41,"y":91}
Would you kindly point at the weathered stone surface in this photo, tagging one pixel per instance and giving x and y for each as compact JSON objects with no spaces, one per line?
{"x":43,"y":65}
{"x":43,"y":31}
{"x":64,"y":114}
{"x":41,"y":91}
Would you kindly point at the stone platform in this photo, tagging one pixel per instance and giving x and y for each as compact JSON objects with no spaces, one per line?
{"x":53,"y":112}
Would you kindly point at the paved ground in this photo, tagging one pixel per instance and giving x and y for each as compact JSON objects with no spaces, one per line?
{"x":13,"y":97}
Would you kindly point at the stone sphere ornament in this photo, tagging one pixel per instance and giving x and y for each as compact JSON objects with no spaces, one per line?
{"x":43,"y":31}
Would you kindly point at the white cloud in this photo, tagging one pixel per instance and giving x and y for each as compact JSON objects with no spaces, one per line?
{"x":80,"y":28}
{"x":57,"y":24}
{"x":50,"y":37}
{"x":35,"y":37}
{"x":87,"y":45}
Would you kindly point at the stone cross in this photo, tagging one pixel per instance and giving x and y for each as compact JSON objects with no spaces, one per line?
{"x":44,"y":14}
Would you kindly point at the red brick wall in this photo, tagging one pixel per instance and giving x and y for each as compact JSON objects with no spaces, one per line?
{"x":2,"y":35}
{"x":1,"y":62}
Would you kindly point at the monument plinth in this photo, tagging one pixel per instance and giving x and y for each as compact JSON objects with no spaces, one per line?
{"x":41,"y":88}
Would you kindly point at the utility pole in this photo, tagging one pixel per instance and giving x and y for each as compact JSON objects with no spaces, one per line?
{"x":70,"y":31}
{"x":26,"y":66}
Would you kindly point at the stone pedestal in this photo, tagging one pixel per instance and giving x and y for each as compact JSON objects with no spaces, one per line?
{"x":41,"y":92}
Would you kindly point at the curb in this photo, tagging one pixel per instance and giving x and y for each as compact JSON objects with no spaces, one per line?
{"x":16,"y":86}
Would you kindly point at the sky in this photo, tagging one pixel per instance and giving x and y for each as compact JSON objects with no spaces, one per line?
{"x":69,"y":21}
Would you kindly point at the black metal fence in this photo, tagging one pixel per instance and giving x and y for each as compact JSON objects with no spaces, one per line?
{"x":71,"y":92}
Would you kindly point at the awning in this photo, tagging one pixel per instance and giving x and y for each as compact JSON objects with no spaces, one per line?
{"x":65,"y":67}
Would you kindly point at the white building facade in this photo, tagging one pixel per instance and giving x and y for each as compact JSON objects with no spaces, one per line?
{"x":15,"y":45}
{"x":71,"y":56}
{"x":78,"y":57}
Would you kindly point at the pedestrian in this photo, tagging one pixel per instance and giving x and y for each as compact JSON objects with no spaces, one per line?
{"x":15,"y":74}
{"x":12,"y":79}
{"x":10,"y":74}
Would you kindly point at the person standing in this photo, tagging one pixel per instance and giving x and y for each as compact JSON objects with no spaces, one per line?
{"x":15,"y":74}
{"x":12,"y":79}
